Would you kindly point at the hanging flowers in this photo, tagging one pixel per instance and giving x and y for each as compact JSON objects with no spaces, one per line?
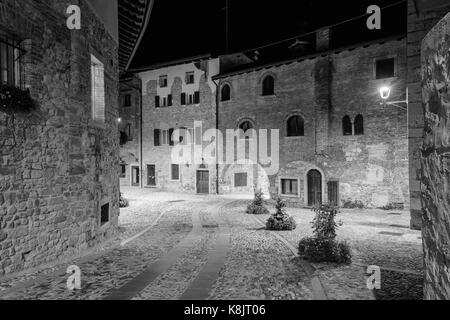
{"x":13,"y":99}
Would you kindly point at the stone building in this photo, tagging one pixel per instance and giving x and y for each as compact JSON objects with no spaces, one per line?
{"x":422,"y":16}
{"x":338,"y":142}
{"x":59,"y":183}
{"x":176,"y":99}
{"x":435,"y":160}
{"x":129,"y":127}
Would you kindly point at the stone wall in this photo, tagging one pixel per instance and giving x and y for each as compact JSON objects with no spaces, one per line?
{"x":371,"y":168}
{"x":436,"y":160}
{"x":419,"y":24}
{"x":57,"y":166}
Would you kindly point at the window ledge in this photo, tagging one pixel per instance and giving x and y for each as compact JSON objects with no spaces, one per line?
{"x":290,"y":196}
{"x":295,"y":138}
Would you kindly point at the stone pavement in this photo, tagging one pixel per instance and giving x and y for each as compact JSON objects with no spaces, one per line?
{"x":177,"y":246}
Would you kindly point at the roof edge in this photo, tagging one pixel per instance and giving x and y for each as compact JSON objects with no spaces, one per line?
{"x":311,"y":56}
{"x":172,"y":63}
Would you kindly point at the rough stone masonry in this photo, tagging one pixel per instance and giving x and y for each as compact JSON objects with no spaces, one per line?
{"x":58,"y":168}
{"x":436,"y":160}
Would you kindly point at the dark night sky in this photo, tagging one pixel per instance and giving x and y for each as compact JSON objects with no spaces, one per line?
{"x":180,"y":29}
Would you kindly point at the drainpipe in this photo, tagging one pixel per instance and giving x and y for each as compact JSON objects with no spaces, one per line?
{"x":217,"y":142}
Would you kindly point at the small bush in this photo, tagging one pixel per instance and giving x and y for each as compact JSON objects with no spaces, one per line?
{"x":325,"y":250}
{"x":323,"y":247}
{"x":353,"y":204}
{"x":281,"y":221}
{"x":123,"y":203}
{"x":393,"y":206}
{"x":257,"y":206}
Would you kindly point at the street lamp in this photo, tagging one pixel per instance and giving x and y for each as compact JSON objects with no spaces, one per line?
{"x":385,"y":93}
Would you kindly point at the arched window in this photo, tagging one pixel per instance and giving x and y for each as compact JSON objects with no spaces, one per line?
{"x":226,"y":93}
{"x":347,"y":126}
{"x":359,"y":125}
{"x":245,"y":126}
{"x":268,"y":86}
{"x":295,"y":126}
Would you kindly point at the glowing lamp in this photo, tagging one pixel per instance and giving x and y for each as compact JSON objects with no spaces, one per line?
{"x":385,"y":92}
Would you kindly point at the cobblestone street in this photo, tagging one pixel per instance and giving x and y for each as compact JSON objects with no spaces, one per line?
{"x":178,"y":246}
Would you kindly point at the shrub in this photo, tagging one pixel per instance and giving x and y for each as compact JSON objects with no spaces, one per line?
{"x":123,"y":203}
{"x":325,"y":250}
{"x":353,"y":204}
{"x":281,"y":221}
{"x":257,"y":206}
{"x":324,"y":224}
{"x":323,"y":247}
{"x":13,"y":99}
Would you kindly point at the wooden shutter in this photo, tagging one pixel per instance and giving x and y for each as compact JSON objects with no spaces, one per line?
{"x":171,"y":137}
{"x":157,"y":137}
{"x":197,"y":97}
{"x":183,"y":99}
{"x":157,"y":102}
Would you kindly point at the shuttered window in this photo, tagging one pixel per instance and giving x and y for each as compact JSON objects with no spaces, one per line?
{"x":98,"y":89}
{"x":240,"y":180}
{"x":157,"y":137}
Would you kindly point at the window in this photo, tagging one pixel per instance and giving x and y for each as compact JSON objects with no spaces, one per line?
{"x":359,"y":125}
{"x":190,"y":77}
{"x":240,"y":180}
{"x":104,"y":215}
{"x":295,"y":127}
{"x":127,"y":102}
{"x":163,"y":137}
{"x":175,"y":172}
{"x":347,"y":126}
{"x":162,"y":102}
{"x":385,"y":68}
{"x":190,"y":99}
{"x":289,"y":187}
{"x":245,"y":127}
{"x":268,"y":86}
{"x":226,"y":93}
{"x":123,"y":170}
{"x":163,"y":82}
{"x":98,"y":89}
{"x":10,"y":67}
{"x":129,"y":132}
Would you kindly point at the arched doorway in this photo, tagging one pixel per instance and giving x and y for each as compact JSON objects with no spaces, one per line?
{"x":314,"y":188}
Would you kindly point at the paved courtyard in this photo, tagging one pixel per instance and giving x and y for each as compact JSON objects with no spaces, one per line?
{"x":178,"y":246}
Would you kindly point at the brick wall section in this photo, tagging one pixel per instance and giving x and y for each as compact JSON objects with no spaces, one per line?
{"x":57,"y":167}
{"x":419,"y":24}
{"x":436,"y":161}
{"x":372,"y":168}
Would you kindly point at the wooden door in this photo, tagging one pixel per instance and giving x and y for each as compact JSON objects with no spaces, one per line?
{"x":333,"y":193}
{"x":202,"y":182}
{"x":314,"y":188}
{"x":135,"y":177}
{"x":151,"y":175}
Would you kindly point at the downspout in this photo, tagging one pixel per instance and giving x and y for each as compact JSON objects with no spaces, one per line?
{"x":217,"y":142}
